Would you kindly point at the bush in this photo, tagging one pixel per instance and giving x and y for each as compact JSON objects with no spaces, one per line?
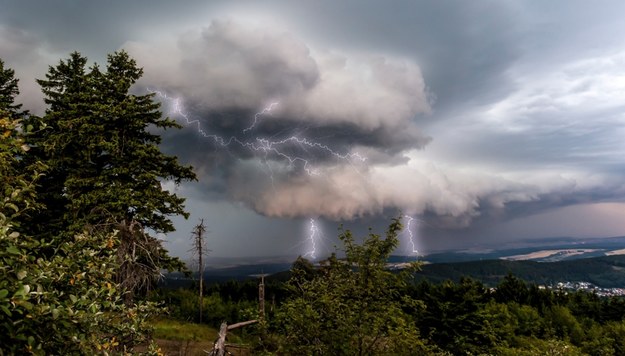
{"x":56,"y":296}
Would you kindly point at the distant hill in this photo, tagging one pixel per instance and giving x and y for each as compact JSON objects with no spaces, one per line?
{"x":607,"y":272}
{"x":217,"y":275}
{"x":539,"y":250}
{"x":600,"y":261}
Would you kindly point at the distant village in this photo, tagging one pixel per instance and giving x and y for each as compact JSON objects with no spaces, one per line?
{"x":587,"y":287}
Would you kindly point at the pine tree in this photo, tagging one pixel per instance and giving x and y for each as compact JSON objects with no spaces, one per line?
{"x":8,"y":91}
{"x":100,"y":146}
{"x":60,"y":303}
{"x":106,"y":166}
{"x":58,"y":144}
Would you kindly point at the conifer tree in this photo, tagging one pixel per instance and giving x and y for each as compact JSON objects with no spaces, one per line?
{"x":99,"y":144}
{"x":105,"y":164}
{"x":58,"y":143}
{"x":8,"y":91}
{"x":57,"y":297}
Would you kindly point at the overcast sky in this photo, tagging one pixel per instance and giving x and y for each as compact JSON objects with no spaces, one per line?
{"x":485,"y":121}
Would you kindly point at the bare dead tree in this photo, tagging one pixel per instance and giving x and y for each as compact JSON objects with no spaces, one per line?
{"x":198,"y":236}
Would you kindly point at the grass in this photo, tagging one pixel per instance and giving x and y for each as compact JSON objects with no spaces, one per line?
{"x":175,"y":330}
{"x":185,"y":338}
{"x":188,"y":339}
{"x":181,"y":338}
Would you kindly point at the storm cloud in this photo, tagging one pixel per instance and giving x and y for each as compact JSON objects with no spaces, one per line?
{"x":478,"y":117}
{"x":331,"y":110}
{"x":357,"y":105}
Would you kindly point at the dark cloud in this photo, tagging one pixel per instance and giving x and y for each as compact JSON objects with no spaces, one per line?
{"x":464,"y":48}
{"x":379,"y":123}
{"x":328,"y":107}
{"x":469,"y":113}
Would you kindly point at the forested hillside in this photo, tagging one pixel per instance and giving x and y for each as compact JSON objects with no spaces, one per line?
{"x":607,"y":272}
{"x":356,"y":306}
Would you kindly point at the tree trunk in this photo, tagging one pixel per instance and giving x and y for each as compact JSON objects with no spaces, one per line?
{"x":201,"y":267}
{"x":220,"y":345}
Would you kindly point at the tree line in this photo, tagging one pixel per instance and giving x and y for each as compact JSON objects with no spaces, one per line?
{"x":355,"y":305}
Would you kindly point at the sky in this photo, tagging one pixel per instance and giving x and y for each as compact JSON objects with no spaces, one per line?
{"x":483,"y":121}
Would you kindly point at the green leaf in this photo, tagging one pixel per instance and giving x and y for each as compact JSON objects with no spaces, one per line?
{"x":5,"y":310}
{"x":22,"y":291}
{"x":3,"y":293}
{"x":21,"y":275}
{"x":13,"y":250}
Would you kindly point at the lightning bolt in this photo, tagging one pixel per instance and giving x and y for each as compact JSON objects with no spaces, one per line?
{"x":259,"y":114}
{"x":410,"y":234}
{"x":267,"y":147}
{"x":262,"y":145}
{"x":313,"y":236}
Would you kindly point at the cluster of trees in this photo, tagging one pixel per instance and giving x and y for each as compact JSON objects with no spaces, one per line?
{"x":517,"y":319}
{"x":603,"y":271}
{"x":80,"y":204}
{"x":356,"y":306}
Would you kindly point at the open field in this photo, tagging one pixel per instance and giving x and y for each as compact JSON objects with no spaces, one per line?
{"x":177,"y":338}
{"x":547,"y":253}
{"x":615,"y":252}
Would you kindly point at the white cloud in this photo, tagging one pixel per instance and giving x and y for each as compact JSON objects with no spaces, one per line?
{"x":228,"y":65}
{"x":456,"y":195}
{"x":578,"y":93}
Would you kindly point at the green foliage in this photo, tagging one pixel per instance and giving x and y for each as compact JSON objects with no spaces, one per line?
{"x":602,"y":271}
{"x":514,"y":319}
{"x":183,"y":304}
{"x":8,"y":91}
{"x":17,"y":183}
{"x":538,"y":347}
{"x":170,"y":329}
{"x":57,"y":296}
{"x":317,"y":316}
{"x":105,"y":163}
{"x":104,"y":166}
{"x":528,"y":320}
{"x":512,"y":289}
{"x":64,"y":303}
{"x":352,"y":306}
{"x":456,"y":317}
{"x":561,"y":323}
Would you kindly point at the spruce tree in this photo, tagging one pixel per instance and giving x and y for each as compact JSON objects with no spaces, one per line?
{"x":99,"y":142}
{"x":58,"y":144}
{"x":57,"y":296}
{"x":8,"y":91}
{"x":106,"y":167}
